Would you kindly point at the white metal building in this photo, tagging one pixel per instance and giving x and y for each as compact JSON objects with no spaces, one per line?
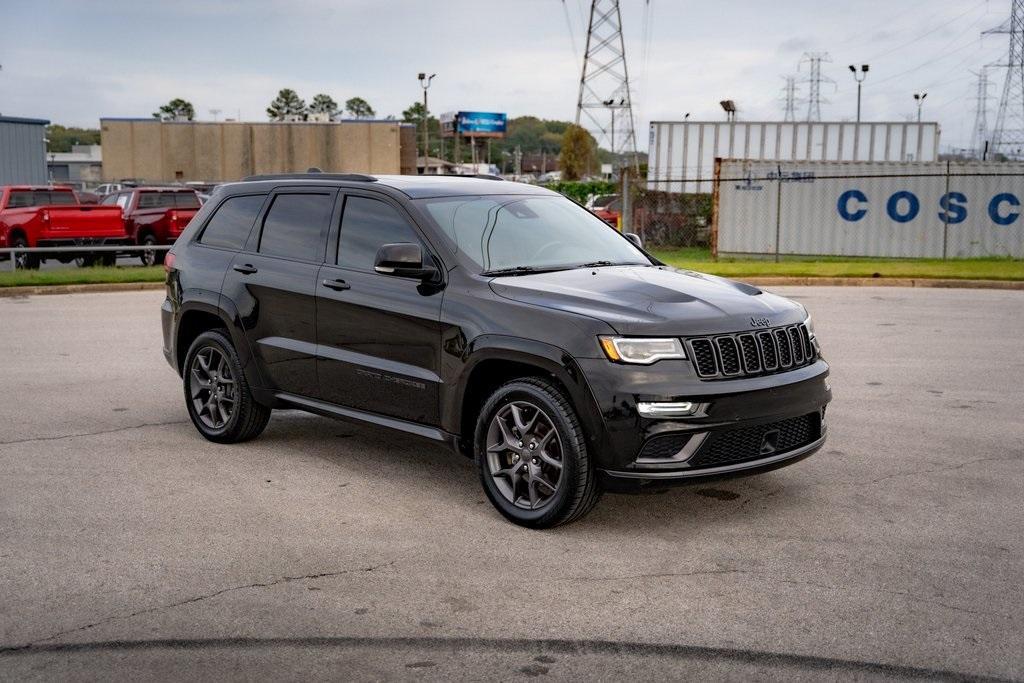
{"x":682,"y":153}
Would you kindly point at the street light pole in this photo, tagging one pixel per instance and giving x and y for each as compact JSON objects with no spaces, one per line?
{"x":919,"y":97}
{"x":859,"y":76}
{"x":425,"y":84}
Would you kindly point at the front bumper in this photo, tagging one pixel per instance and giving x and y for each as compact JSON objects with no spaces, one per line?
{"x":769,"y":421}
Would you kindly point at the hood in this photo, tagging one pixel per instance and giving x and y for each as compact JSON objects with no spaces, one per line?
{"x":653,"y":300}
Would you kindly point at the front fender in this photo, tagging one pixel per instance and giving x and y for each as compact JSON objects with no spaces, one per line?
{"x":548,"y":358}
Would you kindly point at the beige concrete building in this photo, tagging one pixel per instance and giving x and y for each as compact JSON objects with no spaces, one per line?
{"x":169,"y":151}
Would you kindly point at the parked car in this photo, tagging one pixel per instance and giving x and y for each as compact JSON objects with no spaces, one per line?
{"x":498,"y":318}
{"x":607,"y":207}
{"x":47,"y":216}
{"x":155,"y":215}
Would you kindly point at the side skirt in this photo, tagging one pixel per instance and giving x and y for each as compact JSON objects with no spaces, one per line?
{"x":331,"y":410}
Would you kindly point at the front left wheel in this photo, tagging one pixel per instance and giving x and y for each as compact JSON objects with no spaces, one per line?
{"x":217,"y":395}
{"x":532,"y":456}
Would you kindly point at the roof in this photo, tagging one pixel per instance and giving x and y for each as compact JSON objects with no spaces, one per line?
{"x":413,"y":186}
{"x":18,"y":119}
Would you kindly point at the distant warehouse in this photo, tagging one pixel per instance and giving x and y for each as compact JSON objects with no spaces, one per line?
{"x":169,"y":151}
{"x":22,"y":150}
{"x":683,"y":153}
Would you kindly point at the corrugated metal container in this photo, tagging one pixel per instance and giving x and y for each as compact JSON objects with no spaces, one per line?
{"x":22,"y":151}
{"x":682,"y":153}
{"x":933,"y":210}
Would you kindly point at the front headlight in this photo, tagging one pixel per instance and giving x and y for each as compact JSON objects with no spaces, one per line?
{"x":641,"y":351}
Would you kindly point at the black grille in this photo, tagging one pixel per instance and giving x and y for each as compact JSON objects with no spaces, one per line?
{"x":704,"y":356}
{"x":749,"y":353}
{"x":761,"y":441}
{"x":665,"y":446}
{"x":728,"y":355}
{"x":751,"y":358}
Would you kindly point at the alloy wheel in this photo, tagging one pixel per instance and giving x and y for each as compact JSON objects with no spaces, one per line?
{"x":524,"y":455}
{"x":212,"y":388}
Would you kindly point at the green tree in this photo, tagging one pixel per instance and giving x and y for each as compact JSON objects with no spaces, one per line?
{"x":415,"y":114}
{"x":62,"y":138}
{"x":323,"y":104}
{"x":286,"y":105}
{"x":579,"y":150}
{"x":176,"y":110}
{"x":358,"y":108}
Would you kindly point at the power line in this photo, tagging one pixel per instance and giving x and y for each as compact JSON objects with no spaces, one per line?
{"x":927,"y":33}
{"x":1008,"y":136}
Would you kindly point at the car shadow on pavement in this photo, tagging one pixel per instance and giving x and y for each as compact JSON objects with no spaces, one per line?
{"x":416,"y":466}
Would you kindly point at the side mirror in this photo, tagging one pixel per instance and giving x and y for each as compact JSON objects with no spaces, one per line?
{"x":635,"y":239}
{"x":403,"y":259}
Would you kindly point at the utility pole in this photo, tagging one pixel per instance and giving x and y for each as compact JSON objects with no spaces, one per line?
{"x":605,"y":79}
{"x":1008,"y":136}
{"x":814,"y":81}
{"x":425,"y":84}
{"x":980,"y":130}
{"x":859,"y":76}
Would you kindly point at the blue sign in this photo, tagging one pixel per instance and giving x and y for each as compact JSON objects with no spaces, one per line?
{"x":904,"y":206}
{"x":487,"y":124}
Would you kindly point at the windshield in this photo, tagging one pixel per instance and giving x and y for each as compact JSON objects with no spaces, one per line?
{"x":530,"y":233}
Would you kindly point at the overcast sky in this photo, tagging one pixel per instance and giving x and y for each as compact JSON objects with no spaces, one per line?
{"x":74,"y":61}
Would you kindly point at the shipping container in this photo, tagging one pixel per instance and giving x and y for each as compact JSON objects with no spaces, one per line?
{"x":934,"y":210}
{"x":682,"y":153}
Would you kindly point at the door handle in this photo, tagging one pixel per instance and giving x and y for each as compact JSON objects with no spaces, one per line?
{"x":337,"y":285}
{"x":247,"y":269}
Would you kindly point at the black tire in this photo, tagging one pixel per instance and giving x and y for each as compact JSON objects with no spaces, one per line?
{"x":85,"y":261}
{"x":107,"y":258}
{"x":577,"y":489}
{"x":24,"y":261}
{"x":247,"y":418}
{"x":151,"y":258}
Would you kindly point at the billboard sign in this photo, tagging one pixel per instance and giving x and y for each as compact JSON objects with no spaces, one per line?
{"x":476,"y":124}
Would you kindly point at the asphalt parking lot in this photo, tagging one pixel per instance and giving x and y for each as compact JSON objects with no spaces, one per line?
{"x":133,"y":548}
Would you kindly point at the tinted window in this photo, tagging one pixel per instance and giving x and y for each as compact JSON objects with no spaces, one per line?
{"x":296,"y":225}
{"x":367,"y":225}
{"x":109,"y":200}
{"x":230,"y":225}
{"x":22,"y":198}
{"x":178,"y":200}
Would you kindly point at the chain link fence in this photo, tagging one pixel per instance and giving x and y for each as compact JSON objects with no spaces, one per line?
{"x":769,"y":209}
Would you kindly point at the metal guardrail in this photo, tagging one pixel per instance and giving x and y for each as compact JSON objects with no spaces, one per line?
{"x":81,"y":249}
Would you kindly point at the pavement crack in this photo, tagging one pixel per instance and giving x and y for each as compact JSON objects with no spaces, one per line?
{"x":664,"y":575}
{"x":200,"y":598}
{"x":96,"y":433}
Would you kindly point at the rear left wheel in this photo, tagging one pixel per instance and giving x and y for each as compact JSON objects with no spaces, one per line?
{"x":24,"y":260}
{"x":151,"y":257}
{"x":217,"y":395}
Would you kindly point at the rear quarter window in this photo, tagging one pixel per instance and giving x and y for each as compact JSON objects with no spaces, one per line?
{"x":232,"y":221}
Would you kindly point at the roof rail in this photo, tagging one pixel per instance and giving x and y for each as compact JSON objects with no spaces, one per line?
{"x":487,"y":176}
{"x":362,"y":177}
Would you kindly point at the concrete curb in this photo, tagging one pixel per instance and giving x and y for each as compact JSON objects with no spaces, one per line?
{"x":35,"y":290}
{"x":884,"y":282}
{"x":759,"y":281}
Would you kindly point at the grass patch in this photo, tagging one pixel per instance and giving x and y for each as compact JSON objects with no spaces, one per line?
{"x":830,"y":266}
{"x":78,"y":276}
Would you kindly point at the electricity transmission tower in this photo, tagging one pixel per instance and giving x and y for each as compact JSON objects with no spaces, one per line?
{"x":604,"y":96}
{"x":1008,"y":136}
{"x":980,"y":130}
{"x":814,"y":81}
{"x":789,"y":98}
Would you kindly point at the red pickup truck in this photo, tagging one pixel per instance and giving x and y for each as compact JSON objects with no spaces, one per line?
{"x":154,"y":215}
{"x":47,"y":216}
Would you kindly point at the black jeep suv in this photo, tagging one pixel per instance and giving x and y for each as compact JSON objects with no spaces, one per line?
{"x":499,"y":318}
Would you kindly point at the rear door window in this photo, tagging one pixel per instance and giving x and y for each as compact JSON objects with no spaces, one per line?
{"x":230,"y":225}
{"x":296,"y":226}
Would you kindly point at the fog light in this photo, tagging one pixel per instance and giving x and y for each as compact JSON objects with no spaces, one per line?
{"x":665,"y":409}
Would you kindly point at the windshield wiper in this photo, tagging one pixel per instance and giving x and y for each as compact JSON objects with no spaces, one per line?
{"x":521,"y":270}
{"x":597,"y":264}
